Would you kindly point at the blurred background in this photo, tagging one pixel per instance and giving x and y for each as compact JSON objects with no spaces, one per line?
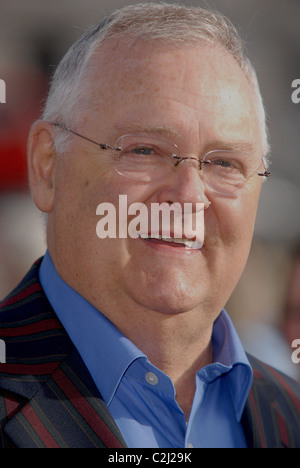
{"x":35,"y":34}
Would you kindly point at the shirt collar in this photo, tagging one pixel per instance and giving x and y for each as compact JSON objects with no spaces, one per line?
{"x":94,"y":335}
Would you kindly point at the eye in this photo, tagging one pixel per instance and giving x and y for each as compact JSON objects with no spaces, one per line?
{"x":142,"y":151}
{"x":232,"y":163}
{"x":145,"y":149}
{"x":222,"y":163}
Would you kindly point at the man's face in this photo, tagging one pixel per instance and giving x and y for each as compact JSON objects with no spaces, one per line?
{"x":198,"y":98}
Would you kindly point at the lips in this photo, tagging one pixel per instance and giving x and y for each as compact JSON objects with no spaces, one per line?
{"x":182,"y":242}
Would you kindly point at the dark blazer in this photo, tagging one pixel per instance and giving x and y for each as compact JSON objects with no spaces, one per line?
{"x":48,"y":398}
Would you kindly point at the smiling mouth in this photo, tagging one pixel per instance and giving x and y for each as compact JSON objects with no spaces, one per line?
{"x":174,"y":242}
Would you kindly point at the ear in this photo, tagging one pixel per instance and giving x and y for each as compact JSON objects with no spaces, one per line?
{"x":41,"y":164}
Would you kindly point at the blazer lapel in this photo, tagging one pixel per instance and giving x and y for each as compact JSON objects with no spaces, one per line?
{"x":47,"y":396}
{"x":67,"y":411}
{"x":271,"y":417}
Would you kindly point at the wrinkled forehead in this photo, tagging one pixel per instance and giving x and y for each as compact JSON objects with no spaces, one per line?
{"x":139,"y":79}
{"x":118,"y":63}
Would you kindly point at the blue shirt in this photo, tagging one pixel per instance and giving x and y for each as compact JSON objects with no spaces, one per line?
{"x":140,"y":397}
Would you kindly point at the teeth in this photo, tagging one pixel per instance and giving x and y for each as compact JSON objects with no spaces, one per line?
{"x":190,"y":244}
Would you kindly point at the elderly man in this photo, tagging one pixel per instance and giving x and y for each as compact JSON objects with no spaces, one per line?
{"x":124,"y":342}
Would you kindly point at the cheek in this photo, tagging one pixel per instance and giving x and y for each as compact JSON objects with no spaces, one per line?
{"x":233,"y":226}
{"x":237,"y":216}
{"x":228,"y":251}
{"x":81,"y":198}
{"x":80,"y":188}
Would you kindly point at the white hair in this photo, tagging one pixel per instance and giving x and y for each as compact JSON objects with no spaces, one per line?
{"x":174,"y":24}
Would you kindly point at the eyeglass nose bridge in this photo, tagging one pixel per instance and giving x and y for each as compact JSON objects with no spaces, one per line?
{"x":181,"y":159}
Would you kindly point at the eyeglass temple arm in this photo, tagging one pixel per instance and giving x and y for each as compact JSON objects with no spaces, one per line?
{"x":264,"y":174}
{"x":102,"y":145}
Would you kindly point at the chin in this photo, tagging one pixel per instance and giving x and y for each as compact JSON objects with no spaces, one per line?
{"x":170,"y":302}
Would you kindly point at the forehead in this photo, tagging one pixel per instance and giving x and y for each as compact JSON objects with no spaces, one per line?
{"x":164,"y":86}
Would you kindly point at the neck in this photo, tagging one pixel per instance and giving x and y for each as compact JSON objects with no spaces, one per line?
{"x":175,"y":345}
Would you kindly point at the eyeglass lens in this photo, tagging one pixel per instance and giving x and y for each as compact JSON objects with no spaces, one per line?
{"x":147,"y":159}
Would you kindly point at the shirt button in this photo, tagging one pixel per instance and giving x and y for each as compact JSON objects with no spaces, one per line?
{"x":151,"y":378}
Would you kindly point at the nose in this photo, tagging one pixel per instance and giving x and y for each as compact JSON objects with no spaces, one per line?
{"x":185,"y":184}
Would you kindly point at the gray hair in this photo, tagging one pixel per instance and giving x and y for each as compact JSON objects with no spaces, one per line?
{"x":174,"y":24}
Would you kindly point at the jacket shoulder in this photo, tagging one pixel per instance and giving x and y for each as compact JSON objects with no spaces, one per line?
{"x":273,"y":407}
{"x":28,"y":290}
{"x":35,"y":341}
{"x":47,"y":396}
{"x":266,"y":375}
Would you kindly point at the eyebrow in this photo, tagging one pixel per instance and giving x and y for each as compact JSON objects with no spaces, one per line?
{"x":240,"y":147}
{"x":161,"y":130}
{"x":169,"y":132}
